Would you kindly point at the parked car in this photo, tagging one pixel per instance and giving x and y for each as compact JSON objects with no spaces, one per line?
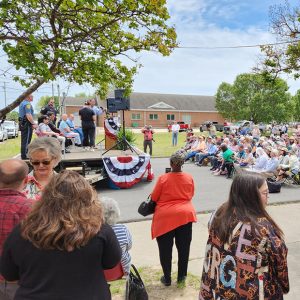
{"x":219,"y":127}
{"x":236,"y":127}
{"x":183,"y":126}
{"x":3,"y":133}
{"x":12,"y":128}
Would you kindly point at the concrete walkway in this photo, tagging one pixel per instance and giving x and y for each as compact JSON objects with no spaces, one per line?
{"x":287,"y":216}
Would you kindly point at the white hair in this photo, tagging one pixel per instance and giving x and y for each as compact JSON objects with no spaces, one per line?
{"x":260,"y":151}
{"x":111,"y":210}
{"x":48,"y":144}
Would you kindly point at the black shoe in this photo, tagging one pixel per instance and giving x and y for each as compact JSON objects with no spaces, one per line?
{"x":78,"y":145}
{"x":181,"y":280}
{"x":212,"y":169}
{"x":164,"y":281}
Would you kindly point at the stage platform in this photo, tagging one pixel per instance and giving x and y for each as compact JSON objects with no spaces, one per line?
{"x":90,"y":163}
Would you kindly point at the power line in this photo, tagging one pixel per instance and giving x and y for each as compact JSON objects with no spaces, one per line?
{"x":238,"y":46}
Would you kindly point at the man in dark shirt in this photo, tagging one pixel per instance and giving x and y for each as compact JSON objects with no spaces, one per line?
{"x":51,"y":124}
{"x":88,"y":119}
{"x":13,"y":208}
{"x":50,"y":107}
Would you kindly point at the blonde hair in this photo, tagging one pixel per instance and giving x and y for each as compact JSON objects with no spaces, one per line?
{"x":67,"y":216}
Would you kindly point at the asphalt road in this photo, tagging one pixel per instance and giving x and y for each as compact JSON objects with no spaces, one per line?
{"x":210,"y":191}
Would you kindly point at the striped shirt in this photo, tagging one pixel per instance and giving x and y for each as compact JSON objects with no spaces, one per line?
{"x":124,"y":238}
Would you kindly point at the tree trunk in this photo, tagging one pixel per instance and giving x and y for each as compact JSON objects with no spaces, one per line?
{"x":23,"y":96}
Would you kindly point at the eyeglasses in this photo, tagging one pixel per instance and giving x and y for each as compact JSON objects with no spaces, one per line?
{"x":43,"y":162}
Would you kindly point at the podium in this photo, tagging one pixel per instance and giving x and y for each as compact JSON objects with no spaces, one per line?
{"x":109,"y":142}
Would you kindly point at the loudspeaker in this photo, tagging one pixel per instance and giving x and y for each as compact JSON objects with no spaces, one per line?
{"x":118,"y":103}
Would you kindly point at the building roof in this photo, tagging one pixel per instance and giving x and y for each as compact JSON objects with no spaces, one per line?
{"x":153,"y":101}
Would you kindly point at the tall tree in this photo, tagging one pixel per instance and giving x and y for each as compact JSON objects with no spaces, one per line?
{"x":296,"y":110}
{"x":251,"y":97}
{"x":82,"y":41}
{"x":285,"y":56}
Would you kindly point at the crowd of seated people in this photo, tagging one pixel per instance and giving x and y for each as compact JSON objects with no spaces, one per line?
{"x":64,"y":132}
{"x":45,"y":130}
{"x":272,"y":156}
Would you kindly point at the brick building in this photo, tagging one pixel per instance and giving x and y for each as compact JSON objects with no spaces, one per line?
{"x":159,"y":110}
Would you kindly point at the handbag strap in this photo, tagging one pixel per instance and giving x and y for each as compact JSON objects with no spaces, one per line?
{"x":137,"y":273}
{"x":149,"y":198}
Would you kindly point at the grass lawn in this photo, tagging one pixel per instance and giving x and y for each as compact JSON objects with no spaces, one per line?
{"x":10,"y":148}
{"x":162,"y":147}
{"x":151,"y":278}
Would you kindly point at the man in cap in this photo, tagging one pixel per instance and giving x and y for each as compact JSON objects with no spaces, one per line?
{"x":26,"y":124}
{"x":148,"y":138}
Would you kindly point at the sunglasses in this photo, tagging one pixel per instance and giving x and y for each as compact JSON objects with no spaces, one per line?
{"x":43,"y":162}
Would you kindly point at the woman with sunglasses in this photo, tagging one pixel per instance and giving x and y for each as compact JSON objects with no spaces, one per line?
{"x":44,"y":154}
{"x":245,"y":256}
{"x":61,"y":248}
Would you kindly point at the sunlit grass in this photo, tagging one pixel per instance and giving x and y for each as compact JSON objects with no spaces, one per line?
{"x":162,"y":147}
{"x":10,"y":148}
{"x":151,"y":278}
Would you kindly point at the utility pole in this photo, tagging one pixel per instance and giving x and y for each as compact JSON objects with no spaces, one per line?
{"x":59,"y":100}
{"x":4,"y":89}
{"x":52,"y":90}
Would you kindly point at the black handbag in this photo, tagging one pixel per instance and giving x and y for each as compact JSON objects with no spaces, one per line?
{"x":273,"y":186}
{"x":135,"y":288}
{"x":147,"y":207}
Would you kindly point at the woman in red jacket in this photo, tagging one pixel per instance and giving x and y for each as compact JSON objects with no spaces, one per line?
{"x":173,"y":217}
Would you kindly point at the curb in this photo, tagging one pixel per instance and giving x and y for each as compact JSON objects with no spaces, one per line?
{"x":203,"y":212}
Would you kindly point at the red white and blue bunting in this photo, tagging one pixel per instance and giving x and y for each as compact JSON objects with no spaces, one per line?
{"x":111,"y":128}
{"x":126,"y":171}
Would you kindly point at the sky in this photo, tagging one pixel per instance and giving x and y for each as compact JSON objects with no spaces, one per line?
{"x":198,"y":23}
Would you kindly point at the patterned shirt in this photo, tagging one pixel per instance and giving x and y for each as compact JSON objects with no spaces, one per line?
{"x":125,"y":241}
{"x":13,"y":208}
{"x":246,"y":267}
{"x":33,"y":189}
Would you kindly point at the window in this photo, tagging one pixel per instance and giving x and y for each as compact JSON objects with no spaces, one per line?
{"x":135,"y":116}
{"x":170,"y":117}
{"x":153,"y":117}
